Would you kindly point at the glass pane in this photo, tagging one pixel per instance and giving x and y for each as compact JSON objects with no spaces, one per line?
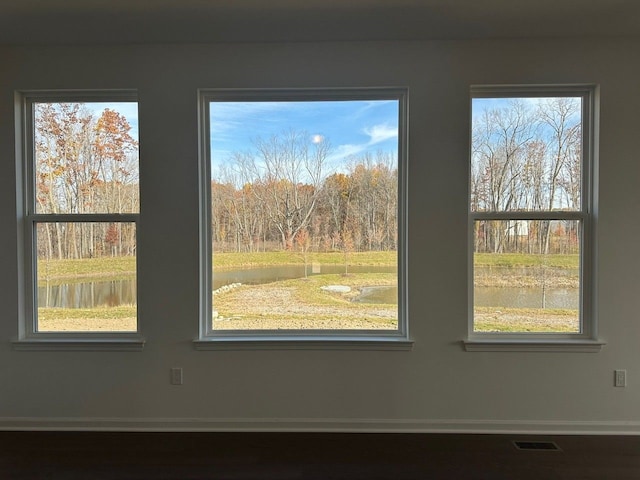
{"x":526,"y":154}
{"x":86,"y":277}
{"x":304,"y":200}
{"x":86,"y":157}
{"x":527,"y":276}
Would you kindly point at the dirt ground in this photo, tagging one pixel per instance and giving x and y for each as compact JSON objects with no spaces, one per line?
{"x":87,"y":325}
{"x":540,"y":322}
{"x":286,"y":313}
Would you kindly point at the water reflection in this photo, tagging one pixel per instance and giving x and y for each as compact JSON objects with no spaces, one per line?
{"x":378,"y":294}
{"x":258,"y":276}
{"x":512,"y":297}
{"x":88,"y":295}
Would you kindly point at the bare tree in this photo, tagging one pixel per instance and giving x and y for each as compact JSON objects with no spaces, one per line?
{"x":525,"y":157}
{"x":288,"y":172}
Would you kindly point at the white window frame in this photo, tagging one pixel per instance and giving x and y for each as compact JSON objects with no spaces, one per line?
{"x":586,"y":340}
{"x":210,"y":339}
{"x":29,"y":338}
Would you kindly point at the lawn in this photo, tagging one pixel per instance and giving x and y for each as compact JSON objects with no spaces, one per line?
{"x":525,"y":320}
{"x":228,"y":260}
{"x":115,"y":268}
{"x":86,"y":269}
{"x":526,"y":260}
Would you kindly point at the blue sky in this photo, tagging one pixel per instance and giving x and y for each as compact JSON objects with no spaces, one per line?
{"x":353,"y":127}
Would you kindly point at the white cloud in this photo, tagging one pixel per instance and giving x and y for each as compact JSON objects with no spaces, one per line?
{"x":347,"y":150}
{"x":380,"y":133}
{"x":376,"y":133}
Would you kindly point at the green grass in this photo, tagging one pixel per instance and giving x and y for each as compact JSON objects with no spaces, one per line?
{"x":520,"y":327}
{"x":525,"y":320}
{"x":309,"y":290}
{"x":113,"y":268}
{"x":526,"y":260}
{"x":101,"y":319}
{"x":82,"y":270}
{"x":228,"y":260}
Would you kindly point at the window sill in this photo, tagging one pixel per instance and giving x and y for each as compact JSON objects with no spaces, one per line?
{"x":80,"y":345}
{"x":303,"y":343}
{"x":497,"y":345}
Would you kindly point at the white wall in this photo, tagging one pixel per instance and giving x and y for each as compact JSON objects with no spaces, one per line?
{"x":437,"y":385}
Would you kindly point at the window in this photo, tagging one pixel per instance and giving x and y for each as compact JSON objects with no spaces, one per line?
{"x":79,"y":215}
{"x":303,"y":201}
{"x":531,"y":213}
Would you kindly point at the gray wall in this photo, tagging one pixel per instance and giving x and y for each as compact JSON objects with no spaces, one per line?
{"x":437,"y":385}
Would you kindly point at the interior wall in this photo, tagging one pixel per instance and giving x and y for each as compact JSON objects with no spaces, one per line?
{"x":437,"y":386}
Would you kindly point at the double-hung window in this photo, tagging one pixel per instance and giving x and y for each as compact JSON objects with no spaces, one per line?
{"x":303,"y":216}
{"x":531,"y":215}
{"x":78,"y":215}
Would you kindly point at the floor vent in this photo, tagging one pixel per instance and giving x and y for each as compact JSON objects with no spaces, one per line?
{"x":528,"y":445}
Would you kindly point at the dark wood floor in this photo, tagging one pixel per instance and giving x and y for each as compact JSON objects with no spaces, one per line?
{"x":239,"y":456}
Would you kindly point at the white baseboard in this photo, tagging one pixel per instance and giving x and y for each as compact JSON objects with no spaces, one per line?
{"x":522,"y":427}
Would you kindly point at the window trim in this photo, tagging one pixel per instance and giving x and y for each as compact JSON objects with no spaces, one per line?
{"x":586,"y":340}
{"x":28,"y":336}
{"x":208,"y":338}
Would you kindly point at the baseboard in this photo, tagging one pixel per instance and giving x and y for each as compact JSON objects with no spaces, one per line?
{"x":541,"y":427}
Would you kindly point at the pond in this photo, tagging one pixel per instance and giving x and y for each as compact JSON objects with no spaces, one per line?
{"x":510,"y":295}
{"x":122,"y":292}
{"x":530,"y":297}
{"x":114,"y":293}
{"x":258,"y":276}
{"x":506,"y":297}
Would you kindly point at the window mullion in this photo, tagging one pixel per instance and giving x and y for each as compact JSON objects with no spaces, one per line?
{"x":84,"y":217}
{"x":517,"y":215}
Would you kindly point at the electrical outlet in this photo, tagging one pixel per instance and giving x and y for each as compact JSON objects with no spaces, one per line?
{"x":620,"y":378}
{"x":176,"y":376}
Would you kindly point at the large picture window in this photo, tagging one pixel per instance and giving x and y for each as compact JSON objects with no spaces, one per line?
{"x":531,"y":212}
{"x":80,"y":211}
{"x":303,"y":213}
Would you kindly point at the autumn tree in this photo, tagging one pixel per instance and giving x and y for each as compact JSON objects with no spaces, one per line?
{"x":335,"y":206}
{"x":278,"y":195}
{"x":83,"y":164}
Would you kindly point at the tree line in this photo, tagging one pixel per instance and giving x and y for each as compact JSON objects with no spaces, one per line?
{"x":283,"y":195}
{"x":286,"y":194}
{"x":85,"y":163}
{"x":527,"y":156}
